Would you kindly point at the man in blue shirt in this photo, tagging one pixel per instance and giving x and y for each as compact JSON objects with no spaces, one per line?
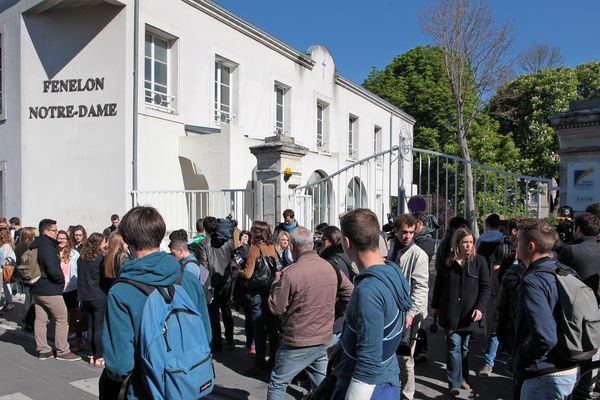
{"x":368,"y":367}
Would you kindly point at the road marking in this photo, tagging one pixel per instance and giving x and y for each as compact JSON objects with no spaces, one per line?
{"x":87,"y":385}
{"x":15,"y":396}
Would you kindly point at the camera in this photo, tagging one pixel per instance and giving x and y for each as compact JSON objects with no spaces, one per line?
{"x":404,"y":346}
{"x":565,"y":226}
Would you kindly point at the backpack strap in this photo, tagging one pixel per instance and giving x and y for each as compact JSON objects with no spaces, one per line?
{"x":167,"y":294}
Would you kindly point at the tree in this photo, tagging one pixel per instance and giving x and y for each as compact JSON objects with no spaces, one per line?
{"x":522,"y":108}
{"x":474,"y":52}
{"x":539,"y":57}
{"x":416,"y":82}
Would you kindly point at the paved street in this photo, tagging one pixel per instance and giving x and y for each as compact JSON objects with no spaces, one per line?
{"x":23,"y":376}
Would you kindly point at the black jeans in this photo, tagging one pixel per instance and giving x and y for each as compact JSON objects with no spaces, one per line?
{"x":95,"y":310}
{"x":220,"y":303}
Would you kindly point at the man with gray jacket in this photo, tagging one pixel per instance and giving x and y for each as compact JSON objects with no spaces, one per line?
{"x":215,"y":255}
{"x":414,"y":263}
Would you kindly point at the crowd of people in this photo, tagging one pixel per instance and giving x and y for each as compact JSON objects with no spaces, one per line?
{"x":343,"y":306}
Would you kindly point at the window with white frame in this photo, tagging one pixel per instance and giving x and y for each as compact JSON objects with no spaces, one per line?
{"x":322,"y":126}
{"x":352,"y":136}
{"x":282,"y":109}
{"x":224,"y":70}
{"x":158,"y":71}
{"x":377,"y":143}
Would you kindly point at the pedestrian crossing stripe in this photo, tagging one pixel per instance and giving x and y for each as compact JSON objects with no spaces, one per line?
{"x":15,"y":396}
{"x":87,"y":385}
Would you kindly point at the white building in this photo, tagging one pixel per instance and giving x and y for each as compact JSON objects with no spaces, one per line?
{"x":102,"y":98}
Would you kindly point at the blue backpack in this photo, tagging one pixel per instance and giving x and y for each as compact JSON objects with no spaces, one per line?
{"x":175,"y":358}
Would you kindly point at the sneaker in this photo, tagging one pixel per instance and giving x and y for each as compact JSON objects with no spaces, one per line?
{"x":252,"y":351}
{"x":454,"y":392}
{"x":46,"y":355}
{"x":68,"y":357}
{"x":486,"y":370}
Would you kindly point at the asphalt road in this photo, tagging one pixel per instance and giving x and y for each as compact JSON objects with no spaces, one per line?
{"x":23,"y":376}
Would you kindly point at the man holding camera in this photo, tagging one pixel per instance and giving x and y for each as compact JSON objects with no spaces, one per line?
{"x":414,"y":263}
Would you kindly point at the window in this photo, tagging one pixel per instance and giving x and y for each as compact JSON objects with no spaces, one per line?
{"x":282,"y":109}
{"x":352,"y":137}
{"x":157,"y":69}
{"x":322,"y":197}
{"x":224,"y":71}
{"x":377,"y":140}
{"x":322,"y":128}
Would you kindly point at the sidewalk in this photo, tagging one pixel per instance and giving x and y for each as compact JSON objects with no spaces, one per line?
{"x":231,"y":363}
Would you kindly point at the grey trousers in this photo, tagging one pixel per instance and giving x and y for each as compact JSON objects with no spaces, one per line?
{"x":407,"y":363}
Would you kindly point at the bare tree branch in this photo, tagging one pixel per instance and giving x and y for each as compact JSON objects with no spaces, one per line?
{"x":474,"y":57}
{"x":540,"y":57}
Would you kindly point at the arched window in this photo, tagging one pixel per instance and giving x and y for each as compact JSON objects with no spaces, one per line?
{"x":322,"y":197}
{"x":356,"y":194}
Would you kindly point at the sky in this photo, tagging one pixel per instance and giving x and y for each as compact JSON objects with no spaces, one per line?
{"x":364,"y":34}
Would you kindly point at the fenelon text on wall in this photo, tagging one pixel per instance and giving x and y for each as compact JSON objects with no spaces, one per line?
{"x":73,"y":110}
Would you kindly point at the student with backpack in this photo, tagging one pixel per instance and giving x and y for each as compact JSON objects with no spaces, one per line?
{"x":495,"y":247}
{"x":540,"y":368}
{"x":146,"y":357}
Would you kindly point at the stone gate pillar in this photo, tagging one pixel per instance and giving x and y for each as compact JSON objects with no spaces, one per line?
{"x":273,"y":156}
{"x":579,"y":151}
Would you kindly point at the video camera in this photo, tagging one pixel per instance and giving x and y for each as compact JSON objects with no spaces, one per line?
{"x":565,"y":226}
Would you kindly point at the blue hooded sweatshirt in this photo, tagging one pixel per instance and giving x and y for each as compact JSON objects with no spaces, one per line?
{"x":379,"y":292}
{"x":124,"y":312}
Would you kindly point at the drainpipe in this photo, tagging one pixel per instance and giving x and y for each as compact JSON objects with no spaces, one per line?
{"x":134,"y":163}
{"x":390,"y":168}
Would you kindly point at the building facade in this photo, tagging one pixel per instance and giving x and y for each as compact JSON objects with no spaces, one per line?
{"x":104,"y":98}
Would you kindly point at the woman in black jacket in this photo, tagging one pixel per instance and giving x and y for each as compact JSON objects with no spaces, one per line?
{"x":462,"y":288}
{"x":91,"y":295}
{"x":333,"y":252}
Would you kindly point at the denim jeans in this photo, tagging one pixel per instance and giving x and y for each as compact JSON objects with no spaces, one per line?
{"x":491,"y":349}
{"x":548,"y":387}
{"x":457,"y":362}
{"x":263,"y":325}
{"x":290,"y":361}
{"x":383,"y":391}
{"x":95,"y":310}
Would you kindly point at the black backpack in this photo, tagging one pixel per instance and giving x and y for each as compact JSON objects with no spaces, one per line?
{"x":500,"y":251}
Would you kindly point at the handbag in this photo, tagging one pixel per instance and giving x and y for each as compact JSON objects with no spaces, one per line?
{"x":8,"y":273}
{"x":77,"y":320}
{"x":263,"y":275}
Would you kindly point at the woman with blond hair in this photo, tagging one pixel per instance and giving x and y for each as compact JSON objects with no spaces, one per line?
{"x":7,"y":251}
{"x":116,"y":255}
{"x":464,"y":276}
{"x":89,"y":293}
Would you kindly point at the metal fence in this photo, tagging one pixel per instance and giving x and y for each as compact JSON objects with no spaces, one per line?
{"x":182,"y":208}
{"x":386,"y":181}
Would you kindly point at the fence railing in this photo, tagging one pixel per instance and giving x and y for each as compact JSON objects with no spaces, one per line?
{"x":182,"y":208}
{"x":385,"y":181}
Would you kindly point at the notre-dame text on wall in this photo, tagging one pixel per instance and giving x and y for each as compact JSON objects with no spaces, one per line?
{"x":73,"y":110}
